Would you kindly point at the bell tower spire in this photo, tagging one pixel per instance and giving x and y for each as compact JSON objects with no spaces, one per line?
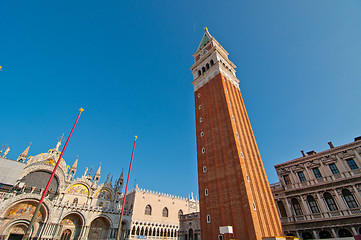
{"x":227,"y":152}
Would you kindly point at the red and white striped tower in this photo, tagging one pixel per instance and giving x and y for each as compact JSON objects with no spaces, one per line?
{"x":233,"y":186}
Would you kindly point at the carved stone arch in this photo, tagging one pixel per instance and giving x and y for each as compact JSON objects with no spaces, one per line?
{"x":72,"y":224}
{"x":99,"y":228}
{"x":17,"y":228}
{"x":46,"y":209}
{"x":79,"y":189}
{"x":41,"y":167}
{"x":81,"y":216}
{"x":38,"y":176}
{"x":103,"y":193}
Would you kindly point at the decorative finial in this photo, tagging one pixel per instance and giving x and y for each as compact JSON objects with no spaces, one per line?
{"x":206,"y":29}
{"x":81,"y":109}
{"x":136,"y":137}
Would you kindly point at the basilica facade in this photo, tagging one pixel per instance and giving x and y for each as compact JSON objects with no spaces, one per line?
{"x":81,"y":208}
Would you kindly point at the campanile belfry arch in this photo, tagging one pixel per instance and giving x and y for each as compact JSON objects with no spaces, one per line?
{"x":233,"y":186}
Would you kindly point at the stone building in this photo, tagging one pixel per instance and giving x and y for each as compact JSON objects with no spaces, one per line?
{"x":80,"y":208}
{"x":157,"y":215}
{"x":319,"y":194}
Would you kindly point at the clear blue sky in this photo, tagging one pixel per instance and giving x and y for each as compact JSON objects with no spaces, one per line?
{"x":127,"y":63}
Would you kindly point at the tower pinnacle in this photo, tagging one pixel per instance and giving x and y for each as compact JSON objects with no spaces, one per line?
{"x":24,"y":155}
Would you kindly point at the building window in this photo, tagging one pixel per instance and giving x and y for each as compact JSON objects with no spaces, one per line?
{"x":165,"y":212}
{"x":351,"y":163}
{"x":296,"y":207}
{"x":254,"y":206}
{"x":334,"y":168}
{"x":212,"y":62}
{"x":350,"y":200}
{"x":230,"y":103}
{"x":101,"y":204}
{"x":313,"y":204}
{"x":200,"y":106}
{"x":180,"y":213}
{"x":287,"y":180}
{"x":206,"y":192}
{"x":207,"y":66}
{"x":203,"y":69}
{"x":317,"y":172}
{"x":242,"y":155}
{"x":247,"y":177}
{"x":301,"y":176}
{"x":208,"y":218}
{"x":203,"y":150}
{"x":199,"y":73}
{"x":201,"y":120}
{"x":233,"y":118}
{"x":226,"y":90}
{"x":199,"y":95}
{"x":148,"y":210}
{"x":330,"y":202}
{"x":237,"y":135}
{"x":204,"y":169}
{"x":202,"y":134}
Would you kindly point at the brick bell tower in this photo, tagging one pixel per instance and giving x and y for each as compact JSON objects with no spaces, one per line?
{"x":233,"y":186}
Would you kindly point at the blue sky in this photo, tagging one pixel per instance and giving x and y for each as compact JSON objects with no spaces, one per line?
{"x":127,"y":63}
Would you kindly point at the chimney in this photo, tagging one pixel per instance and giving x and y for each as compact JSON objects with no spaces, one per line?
{"x":330,"y":144}
{"x":303,"y":153}
{"x":357,"y":138}
{"x":311,"y":152}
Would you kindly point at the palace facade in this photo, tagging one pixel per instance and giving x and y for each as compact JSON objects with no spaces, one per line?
{"x":319,"y":194}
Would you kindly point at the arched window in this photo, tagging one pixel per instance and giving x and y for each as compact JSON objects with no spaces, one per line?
{"x":199,"y":73}
{"x":343,"y":232}
{"x":296,"y":207}
{"x":148,"y":210}
{"x":313,"y":204}
{"x":324,"y":234}
{"x":203,"y":69}
{"x":75,"y":201}
{"x":330,"y":202}
{"x":180,"y":213}
{"x":212,"y":62}
{"x":165,"y":212}
{"x":307,"y":235}
{"x":282,"y":209}
{"x":207,"y":66}
{"x":350,"y":200}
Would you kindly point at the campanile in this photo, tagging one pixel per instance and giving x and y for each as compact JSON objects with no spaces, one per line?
{"x":233,"y":186}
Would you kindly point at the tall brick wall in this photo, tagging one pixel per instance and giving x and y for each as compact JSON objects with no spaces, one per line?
{"x":235,"y":176}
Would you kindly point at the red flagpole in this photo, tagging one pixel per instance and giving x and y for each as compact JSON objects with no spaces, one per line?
{"x":27,"y":233}
{"x":125,"y":192}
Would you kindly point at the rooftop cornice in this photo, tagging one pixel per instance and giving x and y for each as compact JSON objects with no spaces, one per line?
{"x":320,"y":154}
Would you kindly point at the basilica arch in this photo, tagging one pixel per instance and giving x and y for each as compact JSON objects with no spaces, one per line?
{"x":99,"y":229}
{"x":71,"y":226}
{"x":17,"y":217}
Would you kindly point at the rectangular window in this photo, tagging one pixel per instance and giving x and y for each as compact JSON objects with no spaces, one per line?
{"x":287,"y":180}
{"x":351,"y":163}
{"x":317,"y":172}
{"x":301,"y":176}
{"x":334,"y":168}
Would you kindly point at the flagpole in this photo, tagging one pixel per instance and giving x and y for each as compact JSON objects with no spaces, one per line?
{"x":125,"y":192}
{"x":27,"y":233}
